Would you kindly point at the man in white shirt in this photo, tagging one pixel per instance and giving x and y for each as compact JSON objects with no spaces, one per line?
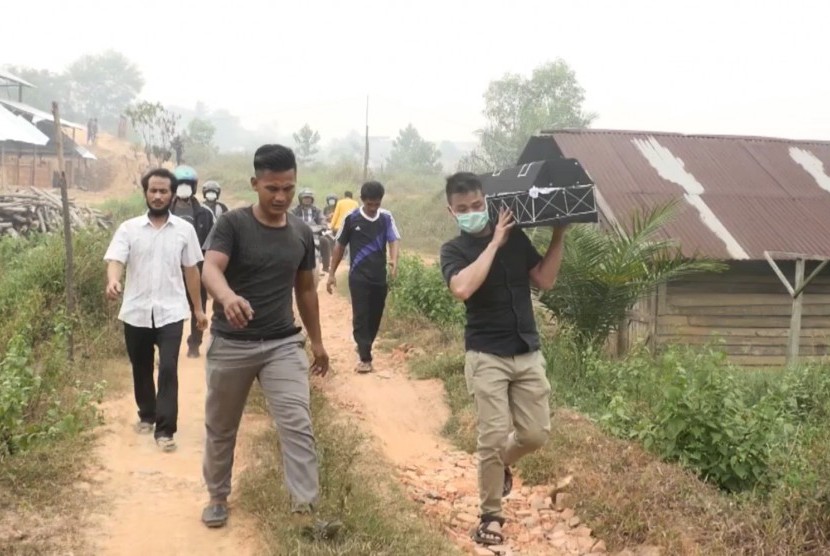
{"x":155,"y":248}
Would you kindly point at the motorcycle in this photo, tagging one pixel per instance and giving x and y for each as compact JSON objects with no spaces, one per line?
{"x":319,"y":233}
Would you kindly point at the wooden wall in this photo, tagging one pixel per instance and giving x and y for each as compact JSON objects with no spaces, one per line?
{"x":746,"y":307}
{"x":17,"y":170}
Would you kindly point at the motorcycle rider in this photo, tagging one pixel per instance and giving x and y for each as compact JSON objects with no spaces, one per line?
{"x":186,"y":206}
{"x":211,"y":191}
{"x":328,"y":210}
{"x":314,"y":217}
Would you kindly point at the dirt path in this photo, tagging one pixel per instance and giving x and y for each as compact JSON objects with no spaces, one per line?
{"x":151,"y":502}
{"x":406,"y":416}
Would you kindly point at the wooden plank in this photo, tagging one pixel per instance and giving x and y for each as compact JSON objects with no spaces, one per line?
{"x":765,"y":277}
{"x":822,"y":310}
{"x":753,"y":321}
{"x":741,"y":340}
{"x":664,"y":329}
{"x":716,"y":299}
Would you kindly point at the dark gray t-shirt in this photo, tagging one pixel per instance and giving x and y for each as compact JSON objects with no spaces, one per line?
{"x":262,"y":268}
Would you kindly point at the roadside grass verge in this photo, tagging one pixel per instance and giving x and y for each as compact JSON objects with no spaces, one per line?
{"x":356,"y":488}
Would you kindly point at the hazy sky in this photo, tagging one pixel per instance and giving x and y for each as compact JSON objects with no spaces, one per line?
{"x":726,"y":66}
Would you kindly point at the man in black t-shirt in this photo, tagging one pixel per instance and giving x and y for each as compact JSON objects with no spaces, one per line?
{"x":255,"y":257}
{"x":366,"y":231}
{"x":491,"y":268}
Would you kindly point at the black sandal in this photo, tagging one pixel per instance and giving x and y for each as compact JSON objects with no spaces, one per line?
{"x":508,"y":482}
{"x":486,"y":536}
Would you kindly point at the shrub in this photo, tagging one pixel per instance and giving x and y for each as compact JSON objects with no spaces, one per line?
{"x":420,"y":290}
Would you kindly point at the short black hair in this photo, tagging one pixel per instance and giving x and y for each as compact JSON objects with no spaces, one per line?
{"x":462,"y":182}
{"x":348,"y":194}
{"x":372,"y":190}
{"x":274,"y":158}
{"x":159,"y":173}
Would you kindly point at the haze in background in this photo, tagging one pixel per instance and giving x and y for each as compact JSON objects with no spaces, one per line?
{"x":708,"y":66}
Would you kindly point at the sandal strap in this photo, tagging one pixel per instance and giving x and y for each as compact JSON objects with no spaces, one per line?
{"x":489,"y":518}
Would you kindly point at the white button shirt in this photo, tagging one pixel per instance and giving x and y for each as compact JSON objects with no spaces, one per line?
{"x":154,"y":292}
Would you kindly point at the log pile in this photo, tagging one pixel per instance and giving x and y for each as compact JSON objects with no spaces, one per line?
{"x":32,"y":210}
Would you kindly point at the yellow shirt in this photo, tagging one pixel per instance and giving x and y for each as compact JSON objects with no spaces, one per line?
{"x":343,"y":207}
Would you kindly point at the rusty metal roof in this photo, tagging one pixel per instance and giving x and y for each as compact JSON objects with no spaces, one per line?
{"x":740,"y":196}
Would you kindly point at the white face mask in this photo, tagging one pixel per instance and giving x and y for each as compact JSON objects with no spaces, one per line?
{"x":210,"y":195}
{"x":184,"y":191}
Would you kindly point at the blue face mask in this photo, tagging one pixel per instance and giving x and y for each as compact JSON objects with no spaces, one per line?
{"x":472,"y":222}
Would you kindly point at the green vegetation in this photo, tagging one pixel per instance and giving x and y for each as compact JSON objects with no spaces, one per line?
{"x":756,"y":442}
{"x":356,"y":489}
{"x":48,"y":405}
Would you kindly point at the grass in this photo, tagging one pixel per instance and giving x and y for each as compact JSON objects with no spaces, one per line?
{"x":356,"y":488}
{"x":627,"y":495}
{"x":49,"y":404}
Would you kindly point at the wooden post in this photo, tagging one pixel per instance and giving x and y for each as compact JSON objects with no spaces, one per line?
{"x":67,"y":234}
{"x":34,"y":159}
{"x":366,"y":152}
{"x":795,"y":319}
{"x":2,"y":164}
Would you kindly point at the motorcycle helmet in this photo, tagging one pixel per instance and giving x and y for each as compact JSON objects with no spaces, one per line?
{"x":186,"y":174}
{"x":211,"y":187}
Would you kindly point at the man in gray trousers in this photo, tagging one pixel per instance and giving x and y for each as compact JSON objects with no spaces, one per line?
{"x":255,"y":257}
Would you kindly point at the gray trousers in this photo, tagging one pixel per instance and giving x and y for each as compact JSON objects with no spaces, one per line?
{"x":281,"y":367}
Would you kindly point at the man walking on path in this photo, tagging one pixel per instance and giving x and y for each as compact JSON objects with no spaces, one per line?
{"x":187,"y":207}
{"x":155,"y":248}
{"x":255,"y":257}
{"x":343,"y":207}
{"x":366,"y":232}
{"x":491,"y":269}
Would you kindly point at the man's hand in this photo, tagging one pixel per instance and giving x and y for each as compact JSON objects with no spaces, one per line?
{"x":201,"y":320}
{"x":503,"y":227}
{"x":393,"y":269}
{"x":238,"y":311}
{"x":331,"y":283}
{"x":320,"y":364}
{"x":113,"y":290}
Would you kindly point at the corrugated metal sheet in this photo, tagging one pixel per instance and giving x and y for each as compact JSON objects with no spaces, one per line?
{"x":37,"y":114}
{"x":14,"y":79}
{"x":15,"y":128}
{"x":767,"y":194}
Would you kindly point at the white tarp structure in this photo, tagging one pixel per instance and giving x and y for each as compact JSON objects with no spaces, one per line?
{"x":16,"y":128}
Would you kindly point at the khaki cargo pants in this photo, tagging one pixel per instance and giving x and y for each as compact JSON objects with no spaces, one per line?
{"x":507,"y":391}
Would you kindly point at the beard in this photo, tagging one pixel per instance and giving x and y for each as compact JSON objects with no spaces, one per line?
{"x":164,"y":211}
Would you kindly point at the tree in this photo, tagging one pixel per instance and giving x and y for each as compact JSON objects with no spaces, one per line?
{"x":516,"y":108}
{"x":605,"y":272}
{"x":103,"y":85}
{"x":49,"y":86}
{"x":307,"y":144}
{"x":411,"y":153}
{"x":157,"y":128}
{"x":347,"y":149}
{"x":198,"y":141}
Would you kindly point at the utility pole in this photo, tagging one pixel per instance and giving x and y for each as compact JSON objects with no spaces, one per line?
{"x":366,"y":152}
{"x":67,"y":234}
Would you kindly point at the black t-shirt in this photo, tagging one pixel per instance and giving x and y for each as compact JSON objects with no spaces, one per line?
{"x":367,"y":239}
{"x":500,"y":317}
{"x":262,"y":268}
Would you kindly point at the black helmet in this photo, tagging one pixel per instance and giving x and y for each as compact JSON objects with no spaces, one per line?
{"x":330,"y":198}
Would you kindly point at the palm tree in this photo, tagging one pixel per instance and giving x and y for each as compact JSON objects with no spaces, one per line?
{"x":605,"y":271}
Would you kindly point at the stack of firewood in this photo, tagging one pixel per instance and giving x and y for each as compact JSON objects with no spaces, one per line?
{"x":36,"y":210}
